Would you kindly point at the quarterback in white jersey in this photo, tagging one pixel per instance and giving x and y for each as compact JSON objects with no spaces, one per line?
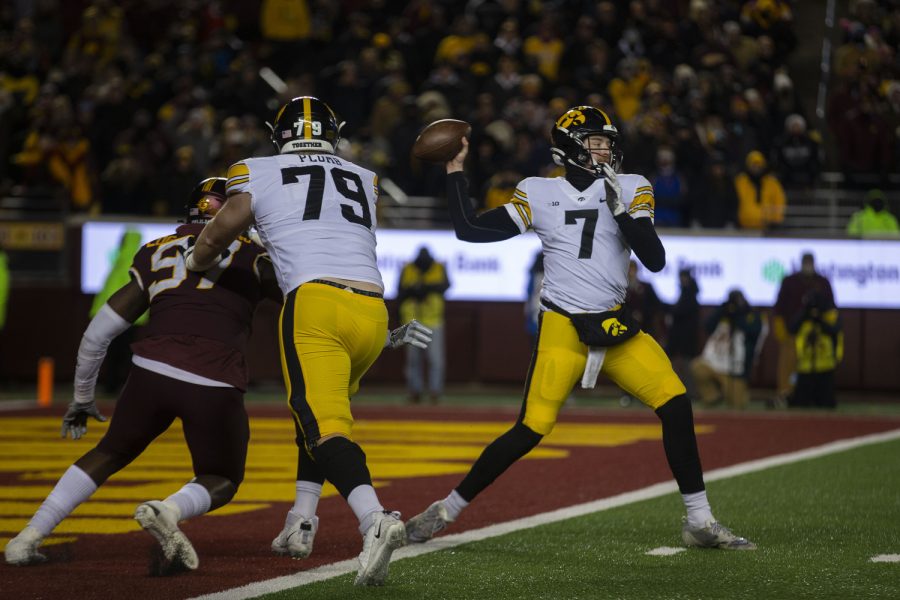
{"x":588,"y":222}
{"x":572,"y":229}
{"x":315,"y":215}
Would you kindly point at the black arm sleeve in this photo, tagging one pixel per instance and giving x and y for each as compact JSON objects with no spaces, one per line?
{"x":641,"y":236}
{"x":491,"y":226}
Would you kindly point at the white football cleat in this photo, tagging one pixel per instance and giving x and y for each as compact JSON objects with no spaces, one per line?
{"x":162,"y":522}
{"x":296,"y":540}
{"x":425,"y":525}
{"x":23,"y":549}
{"x":384,"y":535}
{"x":714,"y":535}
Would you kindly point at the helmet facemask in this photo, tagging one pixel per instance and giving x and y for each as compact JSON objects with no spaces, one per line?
{"x":572,"y":138}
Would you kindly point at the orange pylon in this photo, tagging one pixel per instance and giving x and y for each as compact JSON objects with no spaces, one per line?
{"x":45,"y":381}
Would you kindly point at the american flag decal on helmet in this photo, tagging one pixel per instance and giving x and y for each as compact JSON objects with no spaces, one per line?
{"x":286,"y":133}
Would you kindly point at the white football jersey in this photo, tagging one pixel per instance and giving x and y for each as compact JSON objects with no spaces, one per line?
{"x":585,"y":255}
{"x":315,"y":215}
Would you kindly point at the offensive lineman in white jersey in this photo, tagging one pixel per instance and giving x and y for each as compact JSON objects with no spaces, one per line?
{"x":315,"y":214}
{"x":583,"y":328}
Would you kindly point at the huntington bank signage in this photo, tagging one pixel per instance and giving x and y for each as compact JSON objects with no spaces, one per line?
{"x":863,"y":273}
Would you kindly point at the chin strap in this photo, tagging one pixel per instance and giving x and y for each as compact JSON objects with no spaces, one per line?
{"x":560,"y":158}
{"x":594,"y":170}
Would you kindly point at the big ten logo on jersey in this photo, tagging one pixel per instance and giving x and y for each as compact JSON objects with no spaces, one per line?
{"x":572,"y":117}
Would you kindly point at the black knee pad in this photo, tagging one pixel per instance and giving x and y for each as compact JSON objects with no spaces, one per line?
{"x":343,"y":463}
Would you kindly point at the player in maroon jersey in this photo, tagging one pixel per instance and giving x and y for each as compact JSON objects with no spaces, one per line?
{"x":190,"y":364}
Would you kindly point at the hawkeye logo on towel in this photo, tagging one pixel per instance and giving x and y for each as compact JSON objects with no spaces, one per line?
{"x":613,"y":327}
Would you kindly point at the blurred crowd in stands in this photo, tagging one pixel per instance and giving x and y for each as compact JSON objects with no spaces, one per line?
{"x":863,"y":111}
{"x":121,"y":107}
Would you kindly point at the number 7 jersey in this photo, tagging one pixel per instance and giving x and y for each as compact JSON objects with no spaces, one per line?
{"x":585,"y":254}
{"x":315,"y":214}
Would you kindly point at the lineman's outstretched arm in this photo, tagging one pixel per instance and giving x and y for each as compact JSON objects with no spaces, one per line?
{"x":113,"y":318}
{"x":491,"y":226}
{"x":233,"y":219}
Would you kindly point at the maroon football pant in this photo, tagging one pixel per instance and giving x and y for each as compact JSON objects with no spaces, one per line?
{"x":214,"y":420}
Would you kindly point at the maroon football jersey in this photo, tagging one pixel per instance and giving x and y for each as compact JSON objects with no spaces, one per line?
{"x":199,"y":322}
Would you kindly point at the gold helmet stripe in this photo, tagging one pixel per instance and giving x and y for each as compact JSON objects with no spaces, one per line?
{"x":605,"y":117}
{"x":208,"y":185}
{"x":307,"y":122}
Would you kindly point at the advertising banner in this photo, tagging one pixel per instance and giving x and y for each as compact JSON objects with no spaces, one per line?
{"x":863,"y":273}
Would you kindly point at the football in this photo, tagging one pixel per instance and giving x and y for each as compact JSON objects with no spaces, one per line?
{"x":440,"y":141}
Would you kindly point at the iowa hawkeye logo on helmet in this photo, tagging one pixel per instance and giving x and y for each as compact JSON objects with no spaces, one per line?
{"x":573,"y":116}
{"x":306,"y":124}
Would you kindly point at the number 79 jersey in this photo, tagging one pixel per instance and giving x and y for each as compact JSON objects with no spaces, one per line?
{"x":315,"y":214}
{"x":585,"y":254}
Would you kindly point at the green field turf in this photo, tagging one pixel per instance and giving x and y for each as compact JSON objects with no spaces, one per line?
{"x":817,"y":524}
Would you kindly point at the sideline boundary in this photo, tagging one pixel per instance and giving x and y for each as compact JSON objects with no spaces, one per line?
{"x":17,"y":404}
{"x":345,"y":567}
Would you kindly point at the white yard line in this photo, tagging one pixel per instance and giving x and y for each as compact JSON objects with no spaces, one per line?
{"x":888,"y":558}
{"x":278,"y":584}
{"x":665,"y":551}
